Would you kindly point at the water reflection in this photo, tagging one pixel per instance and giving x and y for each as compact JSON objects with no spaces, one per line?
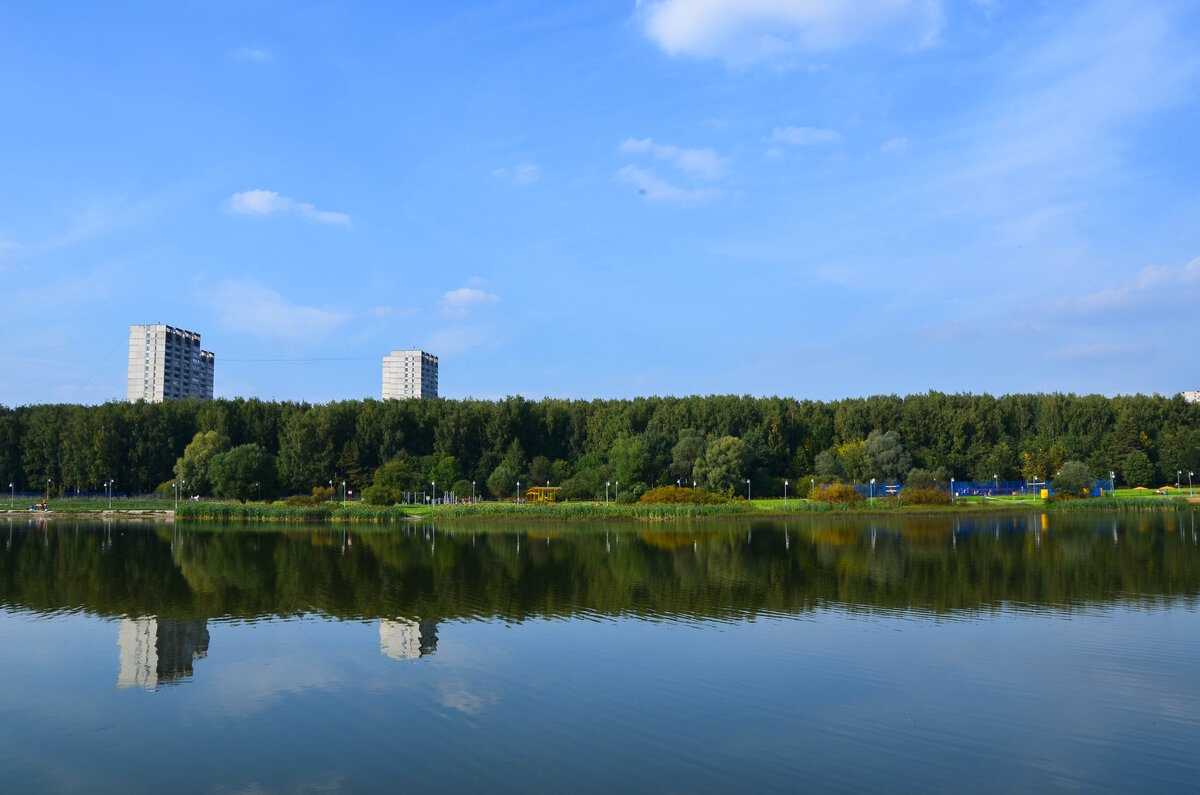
{"x":155,"y":652}
{"x":415,"y":576}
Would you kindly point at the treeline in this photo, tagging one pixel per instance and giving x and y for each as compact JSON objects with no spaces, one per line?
{"x":716,"y":441}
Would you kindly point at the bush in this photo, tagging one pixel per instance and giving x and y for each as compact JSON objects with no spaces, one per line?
{"x":1074,"y":480}
{"x":673,"y":495}
{"x":924,"y":496}
{"x":841,"y":493}
{"x":380,"y":495}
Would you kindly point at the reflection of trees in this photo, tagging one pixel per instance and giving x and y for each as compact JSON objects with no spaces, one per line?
{"x":706,"y":570}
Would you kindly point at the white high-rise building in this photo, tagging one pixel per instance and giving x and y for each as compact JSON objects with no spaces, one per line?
{"x":1192,"y":396}
{"x":410,"y":374}
{"x":166,"y":363}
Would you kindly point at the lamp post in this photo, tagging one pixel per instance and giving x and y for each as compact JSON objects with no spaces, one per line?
{"x":110,"y":485}
{"x":785,"y":485}
{"x":1112,"y":484}
{"x":747,"y":489}
{"x":1178,"y":473}
{"x":472,"y":492}
{"x":182,"y":485}
{"x":678,"y":481}
{"x":1190,"y":492}
{"x":518,"y":491}
{"x":343,"y":495}
{"x":812,"y":488}
{"x":871,"y":492}
{"x":617,"y":491}
{"x":996,"y":484}
{"x":11,"y":495}
{"x":258,"y":488}
{"x":433,"y":499}
{"x":48,"y":481}
{"x":607,"y":483}
{"x":952,"y":494}
{"x":331,"y":489}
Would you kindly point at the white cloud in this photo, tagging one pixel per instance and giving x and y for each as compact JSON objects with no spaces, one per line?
{"x":7,"y":246}
{"x":1094,"y":351}
{"x":460,"y":302}
{"x":252,"y":54}
{"x":266,"y":202}
{"x":259,"y":310}
{"x":894,"y":146}
{"x":521,"y":173}
{"x":1153,"y":285}
{"x":703,"y":162}
{"x":656,"y":189}
{"x":745,"y":31}
{"x":805,"y":136}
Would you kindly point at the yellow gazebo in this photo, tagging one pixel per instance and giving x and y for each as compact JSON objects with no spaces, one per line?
{"x":542,"y":494}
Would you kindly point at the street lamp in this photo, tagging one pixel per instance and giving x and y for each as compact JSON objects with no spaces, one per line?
{"x":48,"y":481}
{"x":518,"y":491}
{"x":812,"y":488}
{"x":607,"y":483}
{"x":1177,"y":478}
{"x":331,"y":489}
{"x":433,"y":501}
{"x":785,"y":485}
{"x":1190,"y":492}
{"x":996,"y":487}
{"x":175,"y":485}
{"x":678,"y":481}
{"x":343,"y":495}
{"x":1112,"y":484}
{"x":258,"y":488}
{"x":472,"y":492}
{"x":871,"y":492}
{"x":12,"y":495}
{"x":110,"y":485}
{"x":952,"y":494}
{"x":617,"y":491}
{"x":747,"y":489}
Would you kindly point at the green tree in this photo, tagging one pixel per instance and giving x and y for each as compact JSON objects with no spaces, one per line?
{"x":192,"y":466}
{"x":242,"y":473}
{"x":685,"y":453}
{"x":1073,"y":480}
{"x":1137,"y":470}
{"x":503,"y":481}
{"x":724,"y":465}
{"x":886,"y":457}
{"x":628,"y":458}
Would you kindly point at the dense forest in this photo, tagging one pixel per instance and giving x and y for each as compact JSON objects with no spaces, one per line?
{"x":716,"y":441}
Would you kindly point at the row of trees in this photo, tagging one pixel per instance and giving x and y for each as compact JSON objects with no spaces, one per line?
{"x":717,"y":442}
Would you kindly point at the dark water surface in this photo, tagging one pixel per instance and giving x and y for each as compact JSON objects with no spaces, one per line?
{"x":1020,"y":653}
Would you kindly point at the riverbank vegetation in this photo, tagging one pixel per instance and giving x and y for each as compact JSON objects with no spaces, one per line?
{"x":405,"y":451}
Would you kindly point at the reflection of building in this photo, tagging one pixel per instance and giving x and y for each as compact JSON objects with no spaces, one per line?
{"x":159,"y":651}
{"x":166,"y":362}
{"x":402,"y":639}
{"x":410,"y":374}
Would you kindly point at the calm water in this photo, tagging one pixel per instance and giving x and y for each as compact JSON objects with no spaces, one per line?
{"x":897,"y":655}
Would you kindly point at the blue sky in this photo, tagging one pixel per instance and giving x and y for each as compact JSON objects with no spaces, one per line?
{"x":810,"y":198}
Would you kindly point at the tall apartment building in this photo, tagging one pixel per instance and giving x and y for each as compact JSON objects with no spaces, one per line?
{"x":410,"y":374}
{"x":166,"y":363}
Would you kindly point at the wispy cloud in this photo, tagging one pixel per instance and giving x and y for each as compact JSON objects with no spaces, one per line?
{"x":747,"y":31}
{"x":252,"y":54}
{"x":521,"y":173}
{"x":268,"y":202}
{"x":894,"y":146}
{"x":654,"y":188}
{"x":1095,"y":351}
{"x":1155,"y":285}
{"x":805,"y":136}
{"x":460,"y":302}
{"x":702,"y":162}
{"x":255,"y":309}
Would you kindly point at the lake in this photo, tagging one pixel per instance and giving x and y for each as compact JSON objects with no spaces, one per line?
{"x":990,"y":654}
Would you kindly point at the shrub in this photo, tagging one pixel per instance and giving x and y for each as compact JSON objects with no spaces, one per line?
{"x":924,"y":496}
{"x":674,"y":495}
{"x":380,"y":495}
{"x":841,"y":493}
{"x":1073,"y":480}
